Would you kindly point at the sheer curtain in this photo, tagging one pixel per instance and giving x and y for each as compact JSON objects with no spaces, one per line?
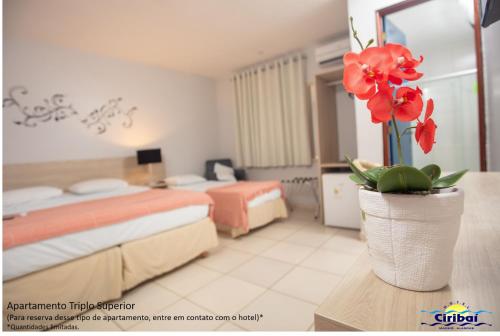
{"x":272,"y":119}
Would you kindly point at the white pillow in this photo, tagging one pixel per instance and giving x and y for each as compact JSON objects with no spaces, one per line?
{"x":224,"y":173}
{"x":225,"y":177}
{"x":222,"y":169}
{"x":179,"y":180}
{"x":18,"y":196}
{"x":97,"y":185}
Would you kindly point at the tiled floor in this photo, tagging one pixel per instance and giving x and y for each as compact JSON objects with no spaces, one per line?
{"x":281,"y":272}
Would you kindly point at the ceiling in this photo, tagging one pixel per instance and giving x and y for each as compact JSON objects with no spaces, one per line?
{"x":205,"y":37}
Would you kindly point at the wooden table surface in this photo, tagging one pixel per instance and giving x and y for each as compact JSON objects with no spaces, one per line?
{"x":364,"y":302}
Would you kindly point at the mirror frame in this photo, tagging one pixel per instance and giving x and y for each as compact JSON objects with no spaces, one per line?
{"x":379,"y":15}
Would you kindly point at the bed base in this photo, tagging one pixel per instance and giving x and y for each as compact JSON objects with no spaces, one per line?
{"x":258,"y":216}
{"x":105,"y":275}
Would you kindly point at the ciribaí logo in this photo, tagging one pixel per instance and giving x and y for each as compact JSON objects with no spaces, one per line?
{"x":456,"y":315}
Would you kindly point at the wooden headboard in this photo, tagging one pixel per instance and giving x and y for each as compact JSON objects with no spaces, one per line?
{"x":62,"y":174}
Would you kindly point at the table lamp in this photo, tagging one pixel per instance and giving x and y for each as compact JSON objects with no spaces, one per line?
{"x":149,"y":156}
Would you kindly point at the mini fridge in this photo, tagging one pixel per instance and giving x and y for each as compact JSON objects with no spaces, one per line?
{"x":340,"y":200}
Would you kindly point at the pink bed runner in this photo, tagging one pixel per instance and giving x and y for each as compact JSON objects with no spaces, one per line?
{"x":53,"y":222}
{"x":231,"y":202}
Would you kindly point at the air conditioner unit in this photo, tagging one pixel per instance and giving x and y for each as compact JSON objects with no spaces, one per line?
{"x":332,"y":52}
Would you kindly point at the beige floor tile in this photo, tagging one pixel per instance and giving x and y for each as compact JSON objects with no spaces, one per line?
{"x":301,"y":219}
{"x":228,"y":326}
{"x":280,"y":313}
{"x":290,"y":224}
{"x":226,"y":295}
{"x":184,"y":309}
{"x":308,"y":238}
{"x":224,"y":259}
{"x":346,"y":241}
{"x":274,"y":232}
{"x":93,"y":324}
{"x":261,"y":271}
{"x":307,"y":284}
{"x":187,"y":279}
{"x":302,"y":214}
{"x":319,"y":228}
{"x":252,"y":244}
{"x":291,"y":253}
{"x":225,"y":240}
{"x":148,"y":298}
{"x":330,"y":261}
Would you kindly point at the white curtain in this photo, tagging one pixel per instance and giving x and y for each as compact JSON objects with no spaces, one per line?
{"x":272,"y":115}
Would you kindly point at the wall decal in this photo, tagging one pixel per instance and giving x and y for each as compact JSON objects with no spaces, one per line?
{"x":100,"y":119}
{"x":56,"y":109}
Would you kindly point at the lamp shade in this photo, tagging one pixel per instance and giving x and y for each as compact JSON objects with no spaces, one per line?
{"x":149,"y":156}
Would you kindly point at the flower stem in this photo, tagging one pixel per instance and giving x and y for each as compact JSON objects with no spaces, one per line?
{"x":400,"y":152}
{"x":407,"y":129}
{"x":355,"y":34}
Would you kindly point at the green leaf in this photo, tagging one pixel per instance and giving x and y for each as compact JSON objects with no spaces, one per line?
{"x":403,"y":179}
{"x":449,"y":181}
{"x":433,"y":171}
{"x":367,"y":180}
{"x":375,"y":173}
{"x":356,"y":179}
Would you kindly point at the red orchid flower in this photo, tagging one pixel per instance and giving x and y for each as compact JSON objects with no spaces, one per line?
{"x":405,"y":64}
{"x":406,"y":106}
{"x":363,"y":71}
{"x":380,"y":105}
{"x":408,"y":103}
{"x":426,"y":130}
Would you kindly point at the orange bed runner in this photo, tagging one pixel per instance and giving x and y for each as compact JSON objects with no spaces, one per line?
{"x":53,"y":222}
{"x":231,"y":202}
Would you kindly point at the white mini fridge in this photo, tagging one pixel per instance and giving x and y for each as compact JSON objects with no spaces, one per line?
{"x":340,"y":200}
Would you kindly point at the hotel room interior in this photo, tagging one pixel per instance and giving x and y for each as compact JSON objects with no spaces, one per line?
{"x":183,"y":165}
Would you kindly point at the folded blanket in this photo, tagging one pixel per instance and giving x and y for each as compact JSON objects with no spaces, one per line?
{"x":231,"y":202}
{"x":53,"y":222}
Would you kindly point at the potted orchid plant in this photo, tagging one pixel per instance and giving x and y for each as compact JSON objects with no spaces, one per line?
{"x":411,"y":216}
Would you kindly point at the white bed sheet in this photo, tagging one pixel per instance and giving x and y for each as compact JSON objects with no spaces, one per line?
{"x":28,"y":258}
{"x":204,"y":186}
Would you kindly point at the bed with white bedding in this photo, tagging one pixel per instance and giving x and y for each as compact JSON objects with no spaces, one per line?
{"x":262,"y":206}
{"x":28,"y":258}
{"x":274,"y":194}
{"x":100,"y":263}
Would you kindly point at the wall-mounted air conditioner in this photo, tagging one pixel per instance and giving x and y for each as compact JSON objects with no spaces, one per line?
{"x":332,"y":52}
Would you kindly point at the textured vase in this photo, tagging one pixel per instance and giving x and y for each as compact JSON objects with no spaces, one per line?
{"x":411,"y":238}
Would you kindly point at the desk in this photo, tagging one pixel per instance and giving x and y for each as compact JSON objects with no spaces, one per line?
{"x":364,"y":302}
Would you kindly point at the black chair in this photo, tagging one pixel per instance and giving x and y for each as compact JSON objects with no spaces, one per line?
{"x":240,"y":174}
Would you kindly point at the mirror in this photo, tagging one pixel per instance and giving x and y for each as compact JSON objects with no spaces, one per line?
{"x":443,"y":31}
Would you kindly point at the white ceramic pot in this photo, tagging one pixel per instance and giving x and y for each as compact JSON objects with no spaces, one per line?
{"x":411,"y":238}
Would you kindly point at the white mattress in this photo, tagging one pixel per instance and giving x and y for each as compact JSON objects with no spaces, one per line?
{"x":28,"y":258}
{"x":204,"y":186}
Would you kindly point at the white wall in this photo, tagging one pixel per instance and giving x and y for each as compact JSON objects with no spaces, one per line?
{"x":226,"y":118}
{"x":491,"y":52}
{"x":176,"y":111}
